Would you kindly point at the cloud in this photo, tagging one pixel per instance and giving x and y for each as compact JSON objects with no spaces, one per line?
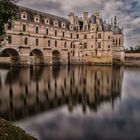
{"x":127,"y":11}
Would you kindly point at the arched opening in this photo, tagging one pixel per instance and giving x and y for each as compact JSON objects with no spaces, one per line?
{"x":9,"y":55}
{"x":37,"y":57}
{"x":56,"y":57}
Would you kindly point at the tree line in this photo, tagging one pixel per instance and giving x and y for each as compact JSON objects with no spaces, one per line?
{"x":134,"y":49}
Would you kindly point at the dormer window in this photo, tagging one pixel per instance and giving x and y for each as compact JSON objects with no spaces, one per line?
{"x":36,"y":19}
{"x":71,"y":27}
{"x":47,"y":21}
{"x":63,"y":25}
{"x":55,"y":23}
{"x":24,"y":16}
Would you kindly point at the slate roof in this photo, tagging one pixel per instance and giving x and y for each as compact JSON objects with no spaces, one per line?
{"x":117,"y":30}
{"x":31,"y":13}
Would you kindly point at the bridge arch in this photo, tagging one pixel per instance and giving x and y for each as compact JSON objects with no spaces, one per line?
{"x":37,"y":56}
{"x":56,"y":57}
{"x":13,"y":56}
{"x":8,"y":52}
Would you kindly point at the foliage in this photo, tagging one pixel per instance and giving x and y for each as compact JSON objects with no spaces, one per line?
{"x":8,"y":10}
{"x":10,"y":132}
{"x":135,"y":49}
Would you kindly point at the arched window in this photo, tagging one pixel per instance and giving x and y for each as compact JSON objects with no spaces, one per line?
{"x":116,"y":42}
{"x":26,"y":41}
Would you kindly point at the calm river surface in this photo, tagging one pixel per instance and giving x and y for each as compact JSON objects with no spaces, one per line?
{"x":72,"y":103}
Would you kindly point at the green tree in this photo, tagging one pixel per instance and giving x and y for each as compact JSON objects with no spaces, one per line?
{"x":8,"y":10}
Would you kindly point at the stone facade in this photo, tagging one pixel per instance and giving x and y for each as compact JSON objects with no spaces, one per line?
{"x":41,"y":38}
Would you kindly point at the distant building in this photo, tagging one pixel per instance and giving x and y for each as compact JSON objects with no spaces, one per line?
{"x":38,"y":37}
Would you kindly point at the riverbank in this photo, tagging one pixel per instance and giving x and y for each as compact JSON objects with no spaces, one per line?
{"x":10,"y":132}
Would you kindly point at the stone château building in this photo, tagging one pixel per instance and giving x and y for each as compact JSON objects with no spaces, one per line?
{"x":37,"y":37}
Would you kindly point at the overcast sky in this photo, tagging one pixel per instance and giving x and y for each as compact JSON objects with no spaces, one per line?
{"x":127,"y":11}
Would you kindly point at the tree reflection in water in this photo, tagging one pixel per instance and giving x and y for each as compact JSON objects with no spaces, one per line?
{"x":29,"y":91}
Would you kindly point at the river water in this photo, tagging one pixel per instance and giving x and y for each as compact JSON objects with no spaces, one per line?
{"x":72,"y":103}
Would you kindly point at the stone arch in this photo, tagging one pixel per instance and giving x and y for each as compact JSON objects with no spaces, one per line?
{"x":37,"y":56}
{"x":56,"y":57}
{"x":13,"y":56}
{"x":9,"y":52}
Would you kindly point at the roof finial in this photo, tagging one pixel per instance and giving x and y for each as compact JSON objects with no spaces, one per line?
{"x":115,"y":21}
{"x":111,"y":22}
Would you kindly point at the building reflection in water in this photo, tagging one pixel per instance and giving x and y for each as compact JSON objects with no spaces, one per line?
{"x":28,"y":91}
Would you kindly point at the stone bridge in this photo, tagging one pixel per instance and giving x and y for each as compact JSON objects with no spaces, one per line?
{"x":22,"y":55}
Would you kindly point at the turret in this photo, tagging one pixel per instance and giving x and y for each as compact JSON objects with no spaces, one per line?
{"x":98,"y":17}
{"x":85,"y":21}
{"x":71,"y":17}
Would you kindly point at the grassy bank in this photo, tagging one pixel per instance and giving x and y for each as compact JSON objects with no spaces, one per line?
{"x":10,"y":132}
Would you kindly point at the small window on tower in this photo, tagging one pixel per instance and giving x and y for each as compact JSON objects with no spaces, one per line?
{"x":85,"y":36}
{"x":99,"y":45}
{"x":99,"y":36}
{"x":24,"y":28}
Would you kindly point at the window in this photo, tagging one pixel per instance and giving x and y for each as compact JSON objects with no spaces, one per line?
{"x":55,"y":33}
{"x":109,"y":46}
{"x":99,"y":36}
{"x":113,"y":42}
{"x":91,"y":46}
{"x":24,"y":16}
{"x":63,"y":34}
{"x":85,"y":45}
{"x":26,"y":41}
{"x":65,"y":45}
{"x":24,"y":28}
{"x":9,"y":40}
{"x":55,"y":43}
{"x":37,"y":30}
{"x":55,"y":23}
{"x":63,"y":25}
{"x":46,"y":21}
{"x":77,"y":36}
{"x":85,"y":36}
{"x":71,"y":45}
{"x":99,"y":44}
{"x":47,"y":31}
{"x":119,"y":41}
{"x":36,"y":19}
{"x":49,"y":43}
{"x":37,"y":42}
{"x":71,"y":35}
{"x":109,"y":37}
{"x":92,"y":37}
{"x":74,"y":46}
